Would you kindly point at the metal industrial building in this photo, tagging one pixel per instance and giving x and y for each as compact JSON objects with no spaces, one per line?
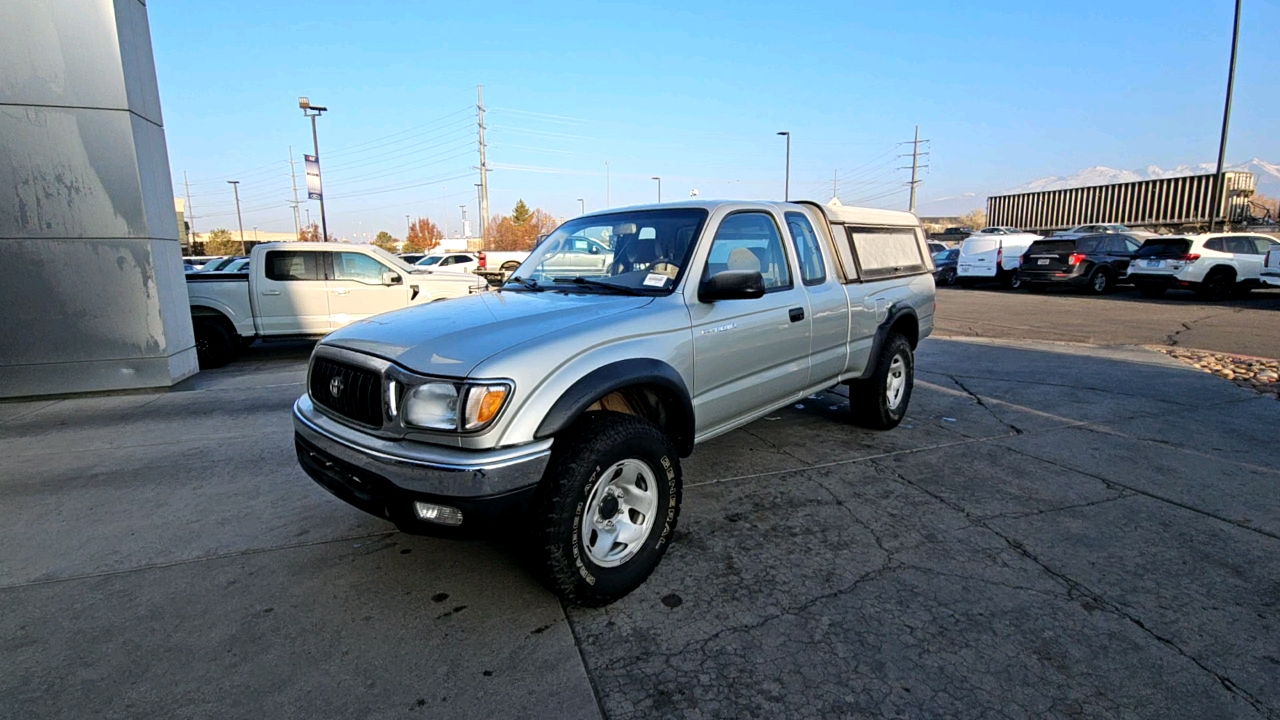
{"x":1173,"y":203}
{"x":92,"y":284}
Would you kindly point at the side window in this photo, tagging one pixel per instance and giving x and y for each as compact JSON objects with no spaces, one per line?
{"x":1241,"y":246}
{"x":358,"y":267}
{"x":812,"y":270}
{"x":749,"y":241}
{"x":291,"y":265}
{"x":1264,"y":245}
{"x":1131,"y":246}
{"x":886,"y":252}
{"x":460,"y":259}
{"x":1216,"y":244}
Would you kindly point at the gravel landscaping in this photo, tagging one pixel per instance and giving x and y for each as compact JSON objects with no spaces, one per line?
{"x":1258,"y":374}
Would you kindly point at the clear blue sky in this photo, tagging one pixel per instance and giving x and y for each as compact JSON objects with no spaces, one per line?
{"x":694,"y":93}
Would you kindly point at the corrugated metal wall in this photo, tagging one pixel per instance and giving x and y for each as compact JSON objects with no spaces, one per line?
{"x":1168,"y":201}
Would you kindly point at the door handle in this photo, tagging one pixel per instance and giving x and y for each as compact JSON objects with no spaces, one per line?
{"x":270,"y":292}
{"x":796,"y":314}
{"x":340,"y":291}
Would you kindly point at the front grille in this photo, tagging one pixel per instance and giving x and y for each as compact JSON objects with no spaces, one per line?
{"x":359,"y":396}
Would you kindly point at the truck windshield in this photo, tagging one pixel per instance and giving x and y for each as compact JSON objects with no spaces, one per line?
{"x":642,"y":250}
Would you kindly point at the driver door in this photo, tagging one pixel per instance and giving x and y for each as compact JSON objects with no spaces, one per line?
{"x":749,"y":354}
{"x":356,"y":290}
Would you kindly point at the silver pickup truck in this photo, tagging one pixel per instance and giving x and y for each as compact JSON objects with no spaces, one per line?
{"x":563,"y":403}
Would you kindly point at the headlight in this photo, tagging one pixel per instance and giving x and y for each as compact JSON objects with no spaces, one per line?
{"x":454,"y":406}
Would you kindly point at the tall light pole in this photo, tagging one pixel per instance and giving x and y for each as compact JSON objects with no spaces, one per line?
{"x":655,"y":177}
{"x":313,"y":112}
{"x":1226,"y":120}
{"x":786,"y":188}
{"x":235,"y":186}
{"x":583,"y":205}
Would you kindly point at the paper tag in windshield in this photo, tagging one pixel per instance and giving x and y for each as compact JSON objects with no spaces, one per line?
{"x":655,"y":280}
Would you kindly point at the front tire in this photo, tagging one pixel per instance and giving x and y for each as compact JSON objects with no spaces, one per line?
{"x":880,"y":401}
{"x":607,"y":508}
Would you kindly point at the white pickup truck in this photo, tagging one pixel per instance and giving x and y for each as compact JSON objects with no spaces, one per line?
{"x":1270,"y":274}
{"x":302,"y":289}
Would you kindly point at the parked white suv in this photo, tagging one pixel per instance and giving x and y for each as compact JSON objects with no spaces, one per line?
{"x":1214,"y":265}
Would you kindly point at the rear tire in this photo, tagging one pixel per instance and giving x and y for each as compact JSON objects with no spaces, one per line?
{"x":880,"y":401}
{"x":1015,"y":282}
{"x":1217,"y":286}
{"x":606,"y":509}
{"x":1099,"y":282}
{"x":1152,"y":291}
{"x":215,"y":344}
{"x":949,"y":276}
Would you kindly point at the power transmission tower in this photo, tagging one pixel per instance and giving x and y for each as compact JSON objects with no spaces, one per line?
{"x":484,"y":168}
{"x":915,"y":166}
{"x":293,"y":177}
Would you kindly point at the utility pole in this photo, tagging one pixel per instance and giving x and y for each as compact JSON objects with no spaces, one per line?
{"x":1226,"y":120}
{"x":407,"y":227}
{"x":293,"y":178}
{"x":187,"y":214}
{"x":786,"y":192}
{"x":314,"y":113}
{"x":235,"y":187}
{"x":484,"y":168}
{"x":308,"y":218}
{"x":463,"y":208}
{"x":915,"y":166}
{"x":480,"y":205}
{"x":608,"y":201}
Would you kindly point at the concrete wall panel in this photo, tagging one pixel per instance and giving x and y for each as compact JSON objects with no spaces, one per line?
{"x":62,"y":53}
{"x":139,"y":65}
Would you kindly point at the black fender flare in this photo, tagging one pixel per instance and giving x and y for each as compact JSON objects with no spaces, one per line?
{"x":615,"y":376}
{"x":896,"y":312}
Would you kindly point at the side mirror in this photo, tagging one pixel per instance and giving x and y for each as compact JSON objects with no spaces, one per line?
{"x":732,"y":285}
{"x":390,"y":278}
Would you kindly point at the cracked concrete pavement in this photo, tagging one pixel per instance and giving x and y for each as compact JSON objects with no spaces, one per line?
{"x":1055,"y":530}
{"x":1249,"y":326}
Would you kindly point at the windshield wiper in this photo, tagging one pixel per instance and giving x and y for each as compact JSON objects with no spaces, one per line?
{"x":588,"y":282}
{"x":526,"y":283}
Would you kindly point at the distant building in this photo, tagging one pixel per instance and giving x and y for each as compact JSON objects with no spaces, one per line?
{"x":184,"y":227}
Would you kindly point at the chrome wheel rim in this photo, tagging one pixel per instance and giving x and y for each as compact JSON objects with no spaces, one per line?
{"x":896,"y":383}
{"x":619,"y":513}
{"x":1100,"y":282}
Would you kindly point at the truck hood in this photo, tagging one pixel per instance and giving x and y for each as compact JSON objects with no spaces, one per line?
{"x":449,"y":338}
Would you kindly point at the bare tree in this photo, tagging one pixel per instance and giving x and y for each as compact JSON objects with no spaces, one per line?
{"x":975,"y":220}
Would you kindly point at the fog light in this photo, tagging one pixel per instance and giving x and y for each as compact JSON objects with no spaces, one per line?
{"x":439,"y":514}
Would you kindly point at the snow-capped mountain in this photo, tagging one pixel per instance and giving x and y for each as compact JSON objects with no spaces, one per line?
{"x":1267,"y":176}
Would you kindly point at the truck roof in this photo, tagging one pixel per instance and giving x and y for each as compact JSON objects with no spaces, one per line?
{"x":834,"y":211}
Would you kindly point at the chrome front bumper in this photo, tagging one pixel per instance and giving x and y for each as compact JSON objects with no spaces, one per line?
{"x":421,"y":468}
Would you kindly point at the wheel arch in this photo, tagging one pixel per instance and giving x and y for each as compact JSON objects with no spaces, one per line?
{"x":645,"y":387}
{"x":902,"y":319}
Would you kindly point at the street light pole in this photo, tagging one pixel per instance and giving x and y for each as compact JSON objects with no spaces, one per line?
{"x":235,"y":186}
{"x":1226,"y":120}
{"x":313,"y":112}
{"x":786,"y":191}
{"x":608,"y":201}
{"x":655,"y":177}
{"x":583,"y":204}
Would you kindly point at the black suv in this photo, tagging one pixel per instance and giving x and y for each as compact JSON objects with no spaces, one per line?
{"x":1093,"y":262}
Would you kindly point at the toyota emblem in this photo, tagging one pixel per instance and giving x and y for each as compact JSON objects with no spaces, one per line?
{"x":335,"y":387}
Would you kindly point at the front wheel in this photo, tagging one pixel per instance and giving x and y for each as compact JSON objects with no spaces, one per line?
{"x":880,"y":401}
{"x":607,"y":507}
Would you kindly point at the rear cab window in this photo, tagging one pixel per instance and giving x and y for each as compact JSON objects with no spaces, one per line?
{"x":885,"y":252}
{"x":813,"y":270}
{"x":293,"y":265}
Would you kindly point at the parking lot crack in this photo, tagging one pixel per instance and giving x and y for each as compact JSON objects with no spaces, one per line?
{"x":1078,"y":589}
{"x":981,"y":403}
{"x":776,"y":447}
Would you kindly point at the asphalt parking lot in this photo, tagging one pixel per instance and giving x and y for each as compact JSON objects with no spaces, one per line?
{"x":1055,"y":531}
{"x":1247,"y":326}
